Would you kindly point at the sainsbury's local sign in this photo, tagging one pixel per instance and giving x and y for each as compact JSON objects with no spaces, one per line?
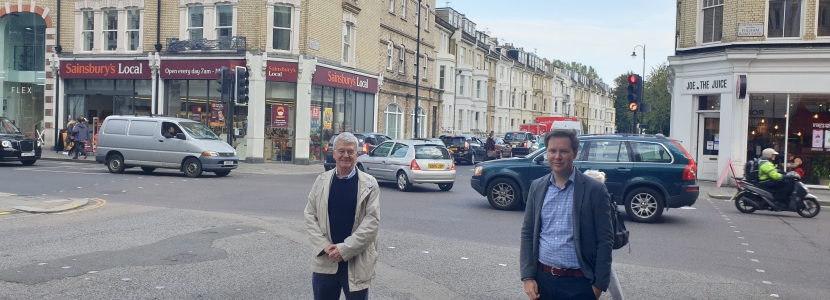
{"x":128,"y":69}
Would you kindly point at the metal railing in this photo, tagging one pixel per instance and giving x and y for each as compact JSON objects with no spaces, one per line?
{"x":234,"y":43}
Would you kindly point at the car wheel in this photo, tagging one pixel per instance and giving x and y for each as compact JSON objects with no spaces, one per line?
{"x":192,"y":168}
{"x":473,"y":158}
{"x":115,"y":164}
{"x":403,"y":182}
{"x":222,"y":173}
{"x":644,"y":205}
{"x":504,"y":194}
{"x":148,"y":170}
{"x":445,"y":186}
{"x":28,"y":162}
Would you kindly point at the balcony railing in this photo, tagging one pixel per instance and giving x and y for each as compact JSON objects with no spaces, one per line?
{"x":234,"y":43}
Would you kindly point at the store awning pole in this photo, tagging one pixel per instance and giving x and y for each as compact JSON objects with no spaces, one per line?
{"x":786,"y":132}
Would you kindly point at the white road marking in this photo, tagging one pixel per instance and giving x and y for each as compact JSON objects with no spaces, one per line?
{"x":737,"y":231}
{"x":755,"y":260}
{"x":732,"y":226}
{"x":391,"y":247}
{"x":773,"y":295}
{"x":767,"y":282}
{"x":55,"y":201}
{"x":503,"y":265}
{"x":465,"y":258}
{"x":750,"y":251}
{"x":727,"y":219}
{"x":425,"y":252}
{"x":759,"y":271}
{"x":745,"y":244}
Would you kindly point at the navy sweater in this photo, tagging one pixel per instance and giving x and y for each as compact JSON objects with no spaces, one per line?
{"x":342,"y":207}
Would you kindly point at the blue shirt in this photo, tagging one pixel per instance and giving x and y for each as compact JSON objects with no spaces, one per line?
{"x":352,"y":174}
{"x":556,"y":240}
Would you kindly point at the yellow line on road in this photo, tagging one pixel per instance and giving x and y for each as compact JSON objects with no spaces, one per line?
{"x":97,"y":203}
{"x":5,"y":212}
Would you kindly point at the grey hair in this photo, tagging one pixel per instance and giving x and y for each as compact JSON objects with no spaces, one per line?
{"x":345,"y":137}
{"x":595,"y":174}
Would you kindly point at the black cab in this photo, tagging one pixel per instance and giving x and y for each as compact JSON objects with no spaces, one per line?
{"x":465,"y":147}
{"x":16,"y":146}
{"x":522,"y":142}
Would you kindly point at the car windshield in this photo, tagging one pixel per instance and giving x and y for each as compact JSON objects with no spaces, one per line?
{"x":431,"y":152}
{"x":514,"y":136}
{"x":7,"y":126}
{"x":199,"y":131}
{"x":453,"y":140}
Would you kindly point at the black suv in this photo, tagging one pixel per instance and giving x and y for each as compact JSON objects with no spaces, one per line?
{"x":522,"y":142}
{"x":16,"y":146}
{"x":465,"y":147}
{"x":647,"y":174}
{"x":366,"y":143}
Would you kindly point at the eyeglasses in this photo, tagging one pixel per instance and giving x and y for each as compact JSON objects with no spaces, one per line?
{"x":345,"y":152}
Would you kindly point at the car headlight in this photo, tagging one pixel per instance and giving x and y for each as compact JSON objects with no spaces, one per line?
{"x":478,"y":171}
{"x":234,"y":153}
{"x":7,"y":144}
{"x":210,"y":153}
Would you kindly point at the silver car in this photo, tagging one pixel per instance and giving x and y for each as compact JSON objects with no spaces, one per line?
{"x":408,"y":162}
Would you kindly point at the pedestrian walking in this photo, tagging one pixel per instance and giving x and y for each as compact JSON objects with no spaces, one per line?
{"x":490,"y":147}
{"x":81,"y":136}
{"x":567,"y":235}
{"x":342,"y":220}
{"x":68,"y":138}
{"x":614,"y":288}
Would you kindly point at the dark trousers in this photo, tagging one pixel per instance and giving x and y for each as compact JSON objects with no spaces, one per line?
{"x":552,"y":287}
{"x":780,"y":189}
{"x":79,"y":148}
{"x":328,"y":286}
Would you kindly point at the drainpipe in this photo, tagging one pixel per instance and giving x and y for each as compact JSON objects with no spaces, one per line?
{"x":56,"y":73}
{"x":158,"y":58}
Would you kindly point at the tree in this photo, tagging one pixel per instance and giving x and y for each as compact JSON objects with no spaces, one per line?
{"x":656,"y":94}
{"x":588,"y":71}
{"x":624,"y":116}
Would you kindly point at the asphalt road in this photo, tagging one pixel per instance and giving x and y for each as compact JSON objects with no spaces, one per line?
{"x":256,"y":247}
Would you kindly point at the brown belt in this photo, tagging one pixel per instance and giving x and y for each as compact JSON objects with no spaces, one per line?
{"x":562,"y":272}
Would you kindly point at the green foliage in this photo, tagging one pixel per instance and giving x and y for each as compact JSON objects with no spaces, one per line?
{"x":655,"y":93}
{"x":624,"y":116}
{"x":588,"y":71}
{"x":820,"y":167}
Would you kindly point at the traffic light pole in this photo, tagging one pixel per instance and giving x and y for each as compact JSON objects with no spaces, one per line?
{"x":417,"y":70}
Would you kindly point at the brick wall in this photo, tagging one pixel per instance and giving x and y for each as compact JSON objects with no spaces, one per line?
{"x":323,"y":21}
{"x":253,"y":23}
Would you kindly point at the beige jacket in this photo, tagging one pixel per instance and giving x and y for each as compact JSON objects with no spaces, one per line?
{"x":360,"y":248}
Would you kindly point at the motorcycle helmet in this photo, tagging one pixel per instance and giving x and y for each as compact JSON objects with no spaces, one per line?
{"x":769,"y":153}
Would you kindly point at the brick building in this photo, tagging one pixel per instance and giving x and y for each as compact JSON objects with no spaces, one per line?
{"x":752,"y":73}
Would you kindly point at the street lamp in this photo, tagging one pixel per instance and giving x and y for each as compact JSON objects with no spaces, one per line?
{"x":418,"y":69}
{"x":634,"y":55}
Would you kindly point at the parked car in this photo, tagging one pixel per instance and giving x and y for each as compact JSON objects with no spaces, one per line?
{"x":143,"y":141}
{"x":503,"y":148}
{"x":366,"y":142}
{"x":646,"y":174}
{"x":408,"y":162}
{"x":522,"y":142}
{"x":465,"y":147}
{"x":16,"y":146}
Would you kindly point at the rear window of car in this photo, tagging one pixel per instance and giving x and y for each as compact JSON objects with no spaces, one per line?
{"x":431,"y":152}
{"x":514,"y":136}
{"x":650,"y":152}
{"x":453,"y":140}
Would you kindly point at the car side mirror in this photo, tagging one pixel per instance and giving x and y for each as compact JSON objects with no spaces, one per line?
{"x":180,"y":136}
{"x":539,"y":159}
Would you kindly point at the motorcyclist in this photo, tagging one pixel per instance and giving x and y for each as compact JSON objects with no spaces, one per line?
{"x":771,"y":179}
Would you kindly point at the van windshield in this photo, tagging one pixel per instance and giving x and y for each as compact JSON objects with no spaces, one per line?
{"x":7,"y":126}
{"x":199,"y":131}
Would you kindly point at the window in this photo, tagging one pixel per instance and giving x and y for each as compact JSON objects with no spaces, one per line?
{"x":784,"y":18}
{"x":383,"y":150}
{"x":88,"y":30}
{"x":650,"y":152}
{"x":392,"y":6}
{"x":110,"y":29}
{"x":347,"y":42}
{"x":282,"y":31}
{"x":426,"y":18}
{"x":402,"y":58}
{"x":441,"y":77}
{"x":512,"y":99}
{"x":418,"y":15}
{"x":712,"y":20}
{"x":393,"y":121}
{"x":399,"y":150}
{"x":443,"y":42}
{"x":224,"y":21}
{"x":142,"y":128}
{"x":462,"y":53}
{"x":390,"y":51}
{"x":133,"y":29}
{"x":501,"y":98}
{"x":501,"y":70}
{"x":403,"y":9}
{"x":431,"y":152}
{"x":823,"y":18}
{"x":478,"y":89}
{"x":478,"y":62}
{"x":196,"y":22}
{"x":422,"y":122}
{"x":424,"y":65}
{"x":461,"y":85}
{"x":556,"y":106}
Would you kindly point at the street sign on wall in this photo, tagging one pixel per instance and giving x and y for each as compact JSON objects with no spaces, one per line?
{"x":750,"y":29}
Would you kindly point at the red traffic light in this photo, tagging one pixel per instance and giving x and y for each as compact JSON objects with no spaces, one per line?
{"x":632,"y":79}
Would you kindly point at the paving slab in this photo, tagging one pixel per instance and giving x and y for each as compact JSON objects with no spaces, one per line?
{"x":10,"y":203}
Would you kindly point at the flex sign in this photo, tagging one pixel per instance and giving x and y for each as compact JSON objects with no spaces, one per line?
{"x":708,"y":85}
{"x":105,"y":69}
{"x":329,"y":77}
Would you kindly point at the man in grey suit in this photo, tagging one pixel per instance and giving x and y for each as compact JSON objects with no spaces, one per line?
{"x":567,"y":233}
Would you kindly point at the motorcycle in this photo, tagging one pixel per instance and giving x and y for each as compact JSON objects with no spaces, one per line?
{"x":751,"y":196}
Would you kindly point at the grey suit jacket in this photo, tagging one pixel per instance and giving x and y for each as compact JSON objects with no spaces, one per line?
{"x":593,"y":232}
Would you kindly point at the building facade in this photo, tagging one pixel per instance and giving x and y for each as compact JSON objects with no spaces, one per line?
{"x":752,"y":74}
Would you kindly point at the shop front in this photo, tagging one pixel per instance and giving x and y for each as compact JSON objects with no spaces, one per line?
{"x":280,"y":111}
{"x":340,"y":102}
{"x":190,"y":92}
{"x":22,"y":76}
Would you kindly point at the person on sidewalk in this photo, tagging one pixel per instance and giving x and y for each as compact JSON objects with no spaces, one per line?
{"x":567,"y":235}
{"x":614,"y":288}
{"x":80,"y":134}
{"x":490,"y":147}
{"x":68,"y":139}
{"x":342,"y":219}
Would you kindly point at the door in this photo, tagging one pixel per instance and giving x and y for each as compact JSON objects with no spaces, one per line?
{"x":139,"y":147}
{"x":708,"y":146}
{"x":611,"y":158}
{"x":373,"y":164}
{"x":171,"y":150}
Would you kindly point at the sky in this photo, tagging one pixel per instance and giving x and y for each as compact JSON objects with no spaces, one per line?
{"x":596,"y":33}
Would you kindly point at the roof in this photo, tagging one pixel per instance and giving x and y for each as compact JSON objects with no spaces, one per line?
{"x":162,"y":118}
{"x":628,"y":136}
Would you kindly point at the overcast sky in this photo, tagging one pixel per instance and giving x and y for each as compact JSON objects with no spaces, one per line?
{"x":601,"y":34}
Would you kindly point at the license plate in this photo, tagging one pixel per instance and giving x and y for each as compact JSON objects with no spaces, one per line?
{"x":229,"y":163}
{"x":27,"y":154}
{"x":454,"y":149}
{"x":436,"y":166}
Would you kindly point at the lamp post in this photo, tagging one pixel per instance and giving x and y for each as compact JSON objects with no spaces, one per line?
{"x":417,"y":69}
{"x":642,"y":93}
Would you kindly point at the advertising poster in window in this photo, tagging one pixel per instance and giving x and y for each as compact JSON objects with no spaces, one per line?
{"x":827,"y":139}
{"x":217,"y":114}
{"x":315,"y":118}
{"x":818,"y":138}
{"x":196,"y":113}
{"x":279,"y":116}
{"x":327,"y":118}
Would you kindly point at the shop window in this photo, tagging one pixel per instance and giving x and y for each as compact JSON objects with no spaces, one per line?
{"x":823,"y":18}
{"x":111,"y":30}
{"x":393,"y":121}
{"x":784,"y":18}
{"x":224,"y":21}
{"x":712,"y":21}
{"x":196,"y":22}
{"x":711,"y":102}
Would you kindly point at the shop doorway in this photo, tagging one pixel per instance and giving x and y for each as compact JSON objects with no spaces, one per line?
{"x":708,"y":145}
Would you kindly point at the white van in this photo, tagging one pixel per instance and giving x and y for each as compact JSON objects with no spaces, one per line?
{"x":575,"y":125}
{"x":162,"y":142}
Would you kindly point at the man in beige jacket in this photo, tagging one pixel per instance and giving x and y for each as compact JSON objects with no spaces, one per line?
{"x":342,"y":219}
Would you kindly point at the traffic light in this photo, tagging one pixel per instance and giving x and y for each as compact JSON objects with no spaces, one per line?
{"x":635,"y":92}
{"x":242,"y":85}
{"x":223,"y":82}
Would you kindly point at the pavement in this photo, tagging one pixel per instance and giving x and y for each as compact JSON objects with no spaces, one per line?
{"x":10,"y":203}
